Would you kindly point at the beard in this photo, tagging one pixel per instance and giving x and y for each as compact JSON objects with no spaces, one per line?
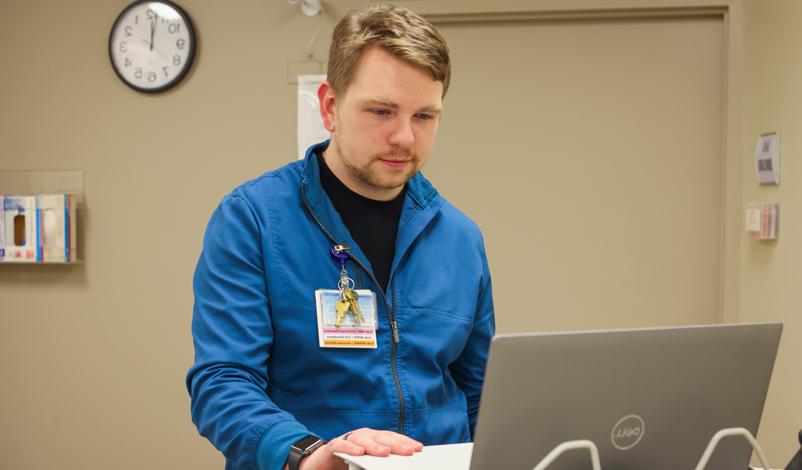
{"x":370,"y":173}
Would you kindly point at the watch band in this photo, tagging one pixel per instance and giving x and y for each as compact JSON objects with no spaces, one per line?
{"x":294,"y":460}
{"x":301,"y":449}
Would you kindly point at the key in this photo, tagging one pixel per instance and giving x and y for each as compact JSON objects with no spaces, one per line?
{"x":343,"y":306}
{"x":353,"y":299}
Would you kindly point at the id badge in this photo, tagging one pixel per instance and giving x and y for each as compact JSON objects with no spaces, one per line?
{"x":351,"y":333}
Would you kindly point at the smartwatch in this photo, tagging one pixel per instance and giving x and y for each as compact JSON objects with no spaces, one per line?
{"x":301,"y":449}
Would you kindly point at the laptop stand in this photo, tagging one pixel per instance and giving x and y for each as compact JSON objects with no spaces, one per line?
{"x":571,"y":445}
{"x":711,"y":446}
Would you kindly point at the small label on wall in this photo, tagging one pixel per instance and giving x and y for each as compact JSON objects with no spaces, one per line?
{"x":767,"y":158}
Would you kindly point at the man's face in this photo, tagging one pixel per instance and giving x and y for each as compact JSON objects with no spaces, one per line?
{"x":384,"y":127}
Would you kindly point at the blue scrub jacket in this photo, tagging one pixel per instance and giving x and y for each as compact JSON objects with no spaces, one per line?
{"x":260,"y":380}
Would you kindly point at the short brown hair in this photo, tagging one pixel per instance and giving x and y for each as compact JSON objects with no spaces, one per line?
{"x":397,"y":30}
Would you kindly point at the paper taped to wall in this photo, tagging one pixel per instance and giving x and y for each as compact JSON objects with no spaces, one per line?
{"x":310,"y":125}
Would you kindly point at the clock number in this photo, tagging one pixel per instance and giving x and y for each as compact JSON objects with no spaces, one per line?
{"x":127,"y":62}
{"x":152,"y":76}
{"x":123,"y":47}
{"x":136,"y":19}
{"x":151,"y":14}
{"x":174,"y":28}
{"x":138,"y":72}
{"x":180,"y":43}
{"x":176,"y":59}
{"x":165,"y":71}
{"x":128,"y":30}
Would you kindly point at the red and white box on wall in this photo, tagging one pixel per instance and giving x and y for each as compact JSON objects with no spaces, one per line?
{"x":762,"y":220}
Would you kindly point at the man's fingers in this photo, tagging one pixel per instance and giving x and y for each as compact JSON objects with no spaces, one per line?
{"x":398,"y":443}
{"x":417,"y":446}
{"x":346,"y":447}
{"x":383,"y":443}
{"x":371,"y":446}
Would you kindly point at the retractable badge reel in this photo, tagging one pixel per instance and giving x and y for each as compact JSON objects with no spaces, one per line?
{"x":349,"y":298}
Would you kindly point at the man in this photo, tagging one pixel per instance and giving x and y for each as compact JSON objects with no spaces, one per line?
{"x":355,"y":213}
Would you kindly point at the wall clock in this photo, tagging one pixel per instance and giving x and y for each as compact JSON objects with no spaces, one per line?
{"x":152,"y":45}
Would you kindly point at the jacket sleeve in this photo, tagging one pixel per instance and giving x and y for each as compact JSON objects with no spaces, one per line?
{"x":469,"y":368}
{"x":233,"y":335}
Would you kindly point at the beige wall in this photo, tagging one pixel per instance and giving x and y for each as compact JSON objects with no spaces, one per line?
{"x":92,"y":357}
{"x":771,"y":272}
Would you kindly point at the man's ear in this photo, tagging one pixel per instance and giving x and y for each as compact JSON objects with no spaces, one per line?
{"x":325,"y":96}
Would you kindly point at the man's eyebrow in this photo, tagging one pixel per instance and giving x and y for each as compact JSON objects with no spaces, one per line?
{"x":431,"y":110}
{"x":380,"y":102}
{"x":395,"y":106}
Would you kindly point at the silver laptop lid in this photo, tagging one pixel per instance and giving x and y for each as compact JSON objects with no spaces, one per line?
{"x":650,"y":399}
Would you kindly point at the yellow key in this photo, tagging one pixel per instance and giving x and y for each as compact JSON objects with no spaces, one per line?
{"x":352,"y":297}
{"x":343,"y":306}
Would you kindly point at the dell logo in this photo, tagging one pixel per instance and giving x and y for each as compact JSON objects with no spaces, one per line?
{"x":627,"y":432}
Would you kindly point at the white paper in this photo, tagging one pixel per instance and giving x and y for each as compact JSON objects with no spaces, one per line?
{"x":753,"y":220}
{"x":310,"y":124}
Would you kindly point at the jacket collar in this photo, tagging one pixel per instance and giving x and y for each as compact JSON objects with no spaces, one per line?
{"x":421,"y":204}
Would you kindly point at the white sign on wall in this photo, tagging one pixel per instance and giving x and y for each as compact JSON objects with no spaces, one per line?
{"x":767,"y":158}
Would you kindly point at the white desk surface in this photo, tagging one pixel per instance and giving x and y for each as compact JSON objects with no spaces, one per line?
{"x":451,"y":456}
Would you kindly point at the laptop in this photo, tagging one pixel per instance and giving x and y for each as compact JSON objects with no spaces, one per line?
{"x":650,"y":399}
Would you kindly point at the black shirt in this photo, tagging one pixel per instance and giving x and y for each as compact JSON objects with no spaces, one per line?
{"x":372,"y":224}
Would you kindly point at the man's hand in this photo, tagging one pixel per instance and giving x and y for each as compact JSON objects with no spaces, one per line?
{"x":363,"y":441}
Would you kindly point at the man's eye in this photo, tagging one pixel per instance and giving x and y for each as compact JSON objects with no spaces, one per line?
{"x":424,"y":116}
{"x":380,"y":112}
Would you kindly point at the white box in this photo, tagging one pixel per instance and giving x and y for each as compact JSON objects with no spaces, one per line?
{"x":53,"y":217}
{"x":21,"y":234}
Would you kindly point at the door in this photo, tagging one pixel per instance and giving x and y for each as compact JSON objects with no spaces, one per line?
{"x":590,"y":153}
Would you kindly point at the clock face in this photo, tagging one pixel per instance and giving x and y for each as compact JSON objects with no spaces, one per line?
{"x":152,"y":45}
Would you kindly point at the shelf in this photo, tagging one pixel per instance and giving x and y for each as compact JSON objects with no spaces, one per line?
{"x":41,"y":228}
{"x":22,"y":182}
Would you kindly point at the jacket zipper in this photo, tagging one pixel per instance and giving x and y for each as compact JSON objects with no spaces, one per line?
{"x":390,"y":312}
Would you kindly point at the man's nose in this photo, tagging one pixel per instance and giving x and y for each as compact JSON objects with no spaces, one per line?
{"x":402,"y":135}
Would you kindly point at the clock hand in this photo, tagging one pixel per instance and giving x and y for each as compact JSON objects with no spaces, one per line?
{"x":152,"y":31}
{"x":161,"y":54}
{"x":157,"y":50}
